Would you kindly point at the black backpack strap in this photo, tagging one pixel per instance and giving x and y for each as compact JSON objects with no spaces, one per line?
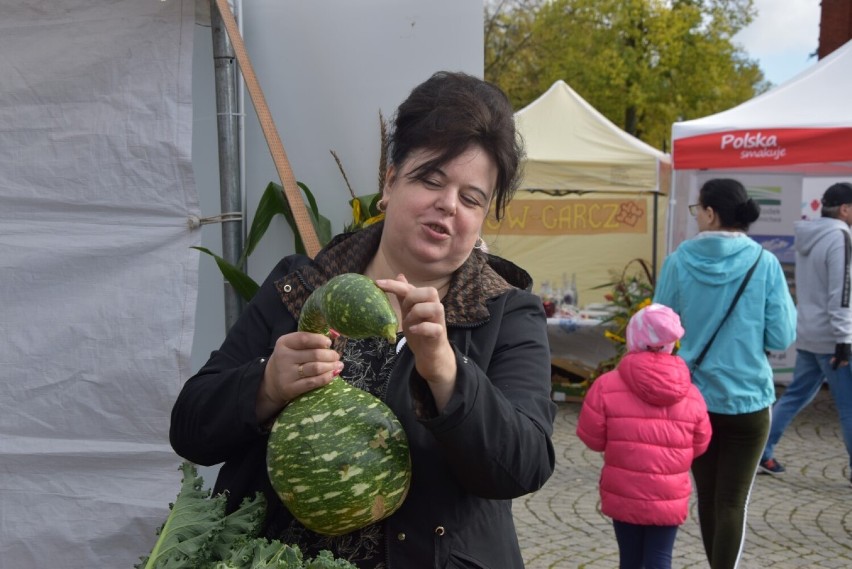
{"x":844,"y":299}
{"x":703,"y":353}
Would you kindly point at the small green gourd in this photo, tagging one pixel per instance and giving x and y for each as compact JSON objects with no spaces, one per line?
{"x":337,"y":456}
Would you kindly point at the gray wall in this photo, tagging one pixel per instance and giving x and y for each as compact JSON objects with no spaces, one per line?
{"x":327,"y":67}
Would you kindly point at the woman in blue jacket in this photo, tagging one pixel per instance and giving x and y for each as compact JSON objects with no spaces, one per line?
{"x":699,"y":281}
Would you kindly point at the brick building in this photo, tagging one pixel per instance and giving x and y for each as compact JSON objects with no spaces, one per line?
{"x":835,"y":26}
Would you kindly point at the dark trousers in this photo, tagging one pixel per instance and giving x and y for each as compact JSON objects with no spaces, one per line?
{"x":723,"y":478}
{"x":644,"y":547}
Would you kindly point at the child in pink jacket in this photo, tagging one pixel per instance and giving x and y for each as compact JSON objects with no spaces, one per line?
{"x":650,"y":422}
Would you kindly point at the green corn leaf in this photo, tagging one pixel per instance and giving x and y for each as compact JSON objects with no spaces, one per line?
{"x":322,"y":225}
{"x":271,"y":203}
{"x":368,"y":208}
{"x":312,"y":202}
{"x":283,"y":208}
{"x":274,"y":202}
{"x":245,"y":286}
{"x":371,"y":202}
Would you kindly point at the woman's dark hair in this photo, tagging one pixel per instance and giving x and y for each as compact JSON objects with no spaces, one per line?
{"x":730,"y":201}
{"x":447,"y":114}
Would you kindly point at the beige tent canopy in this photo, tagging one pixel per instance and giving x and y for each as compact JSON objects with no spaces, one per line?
{"x":589,"y":200}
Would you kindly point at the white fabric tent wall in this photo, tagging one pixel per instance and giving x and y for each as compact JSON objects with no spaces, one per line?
{"x":597,"y":176}
{"x":97,"y":278}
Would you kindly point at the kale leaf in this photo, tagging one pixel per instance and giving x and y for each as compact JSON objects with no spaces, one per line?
{"x":198,"y":535}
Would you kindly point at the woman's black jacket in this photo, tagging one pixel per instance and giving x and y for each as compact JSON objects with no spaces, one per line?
{"x":491,"y":443}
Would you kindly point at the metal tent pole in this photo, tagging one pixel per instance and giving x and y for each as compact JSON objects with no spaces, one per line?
{"x":227,"y":111}
{"x":654,"y":240}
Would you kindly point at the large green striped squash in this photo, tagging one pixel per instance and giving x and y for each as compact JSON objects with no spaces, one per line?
{"x":337,"y":456}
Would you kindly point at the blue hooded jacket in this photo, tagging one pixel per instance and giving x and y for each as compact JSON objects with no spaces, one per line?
{"x":699,"y":281}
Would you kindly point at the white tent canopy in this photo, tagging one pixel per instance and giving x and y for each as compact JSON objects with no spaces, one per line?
{"x":807,"y":120}
{"x":795,"y":136}
{"x":587,"y":203}
{"x":572,"y":146}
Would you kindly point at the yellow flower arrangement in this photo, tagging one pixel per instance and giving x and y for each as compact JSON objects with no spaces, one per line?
{"x":632,"y":290}
{"x":621,"y":339}
{"x":365,"y":209}
{"x":364,"y":216}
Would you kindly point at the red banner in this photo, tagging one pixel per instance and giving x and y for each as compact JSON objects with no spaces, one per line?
{"x":762,"y":147}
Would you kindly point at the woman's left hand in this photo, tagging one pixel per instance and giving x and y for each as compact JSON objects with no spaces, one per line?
{"x":425,"y":330}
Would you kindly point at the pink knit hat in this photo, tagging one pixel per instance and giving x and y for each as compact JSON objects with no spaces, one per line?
{"x":655,"y":328}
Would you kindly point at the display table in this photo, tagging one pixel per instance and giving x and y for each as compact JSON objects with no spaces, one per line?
{"x":578,"y":345}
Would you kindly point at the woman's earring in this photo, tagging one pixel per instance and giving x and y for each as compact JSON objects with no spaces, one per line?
{"x":481,"y":245}
{"x":381,"y":205}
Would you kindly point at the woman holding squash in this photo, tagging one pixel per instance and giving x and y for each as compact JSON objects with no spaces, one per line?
{"x":468,"y":378}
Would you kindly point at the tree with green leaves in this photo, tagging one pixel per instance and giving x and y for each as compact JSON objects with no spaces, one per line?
{"x":644,"y":64}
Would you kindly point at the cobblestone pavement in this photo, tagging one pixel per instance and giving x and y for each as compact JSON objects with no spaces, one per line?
{"x":802,"y":518}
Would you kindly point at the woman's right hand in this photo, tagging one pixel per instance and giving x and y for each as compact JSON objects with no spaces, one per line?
{"x":300,"y":362}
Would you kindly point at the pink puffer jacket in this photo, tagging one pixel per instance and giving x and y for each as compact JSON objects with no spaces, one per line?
{"x":650,"y":422}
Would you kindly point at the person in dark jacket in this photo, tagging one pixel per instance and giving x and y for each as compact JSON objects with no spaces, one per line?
{"x":469,"y":377}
